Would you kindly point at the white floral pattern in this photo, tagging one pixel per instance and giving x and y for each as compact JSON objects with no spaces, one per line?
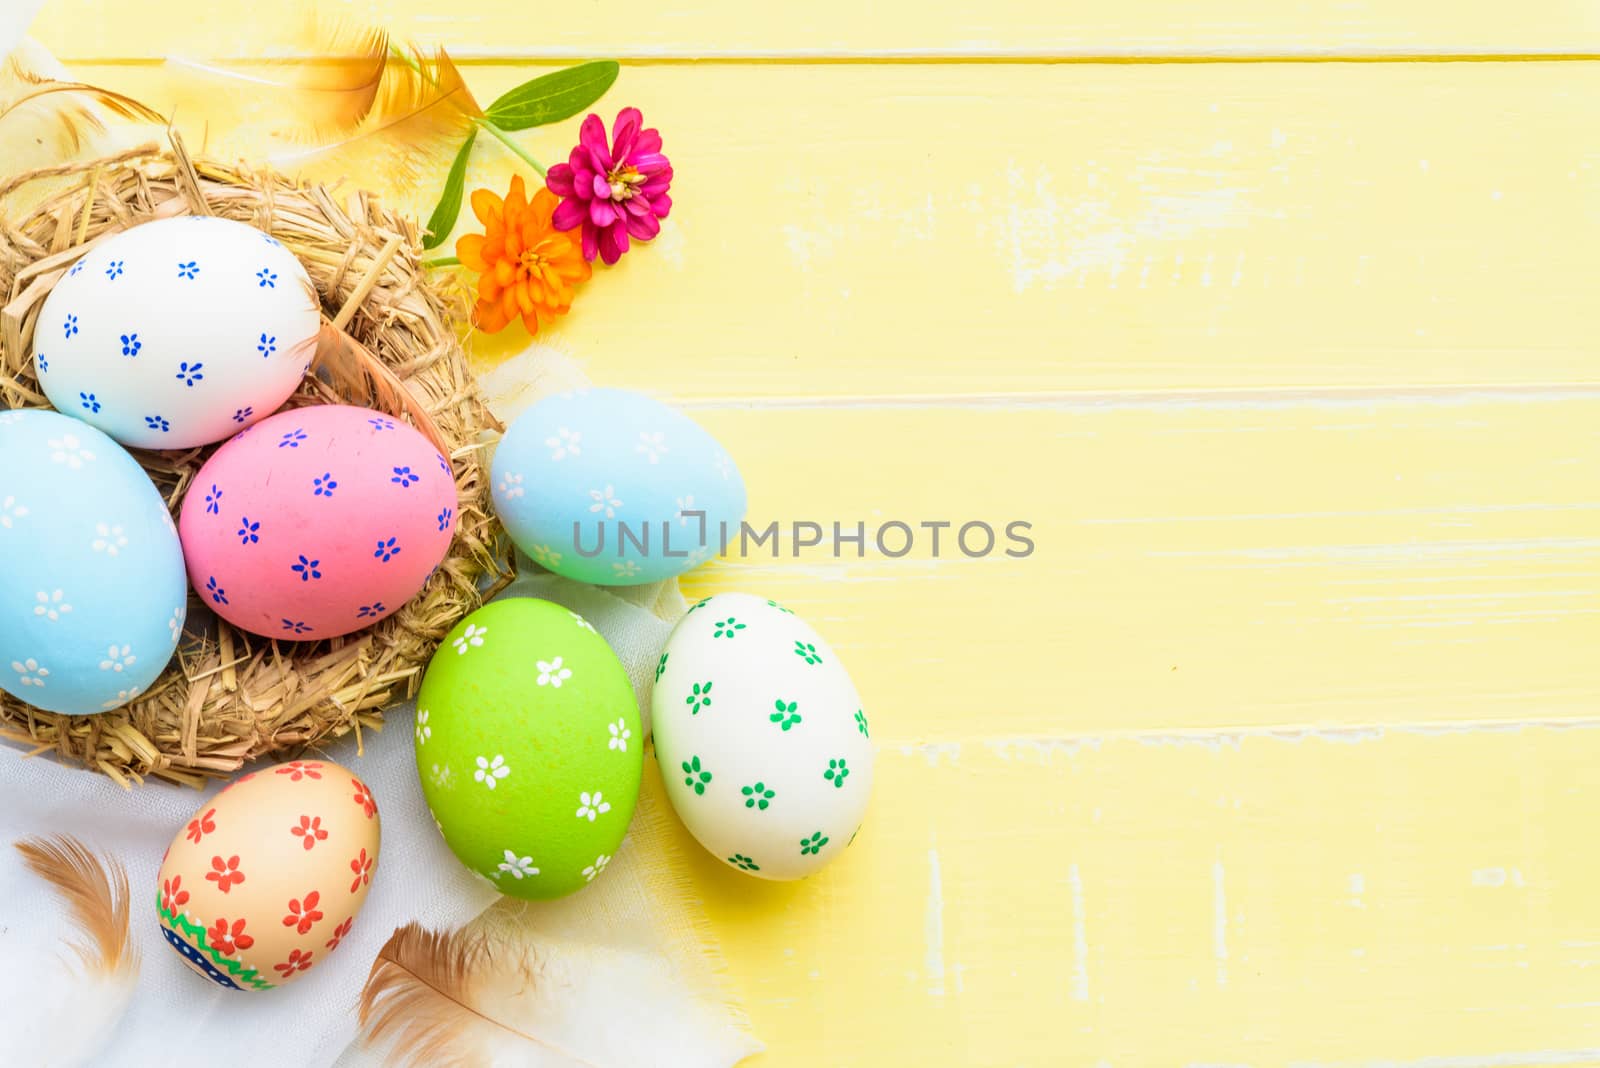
{"x":596,"y":868}
{"x":491,"y":771}
{"x":552,"y":674}
{"x":511,"y":486}
{"x":723,"y":465}
{"x":442,"y":776}
{"x":592,"y":805}
{"x":652,"y":444}
{"x":518,"y":867}
{"x":109,"y":539}
{"x":175,"y":624}
{"x":685,"y":506}
{"x":580,"y":621}
{"x":11,"y":511}
{"x":619,"y":736}
{"x":473,"y":635}
{"x":605,"y":501}
{"x":50,"y":605}
{"x":625,"y":569}
{"x":123,"y":697}
{"x":424,"y":732}
{"x":118,"y":659}
{"x":565,"y":443}
{"x":29,"y":673}
{"x":545,"y":556}
{"x":67,"y":449}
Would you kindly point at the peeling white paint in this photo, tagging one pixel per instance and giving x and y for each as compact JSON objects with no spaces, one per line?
{"x":1080,"y":937}
{"x":933,"y":927}
{"x":1219,"y":920}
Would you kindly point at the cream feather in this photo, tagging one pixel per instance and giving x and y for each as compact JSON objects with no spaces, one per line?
{"x":47,"y":118}
{"x":62,"y":1009}
{"x":422,"y":113}
{"x":322,"y":88}
{"x":475,"y":998}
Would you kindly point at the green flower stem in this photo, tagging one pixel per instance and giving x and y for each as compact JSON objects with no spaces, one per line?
{"x":442,"y":261}
{"x":483,"y":123}
{"x":505,"y":139}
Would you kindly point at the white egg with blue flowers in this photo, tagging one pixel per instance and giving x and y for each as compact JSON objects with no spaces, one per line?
{"x":612,"y":487}
{"x":93,"y":594}
{"x":177,"y":333}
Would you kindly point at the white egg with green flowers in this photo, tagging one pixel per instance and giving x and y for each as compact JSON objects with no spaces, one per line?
{"x":763,"y":743}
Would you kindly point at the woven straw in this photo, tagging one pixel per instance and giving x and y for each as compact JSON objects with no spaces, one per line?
{"x":228,"y":696}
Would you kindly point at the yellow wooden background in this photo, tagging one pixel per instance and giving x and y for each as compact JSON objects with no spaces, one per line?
{"x":1278,"y":321}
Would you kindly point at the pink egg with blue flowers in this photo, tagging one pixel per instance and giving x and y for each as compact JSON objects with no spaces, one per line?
{"x":317,"y":522}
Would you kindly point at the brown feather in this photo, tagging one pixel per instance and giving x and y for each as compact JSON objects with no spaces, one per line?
{"x":96,"y":894}
{"x":43,"y":110}
{"x":498,"y":992}
{"x":323,"y":89}
{"x":422,"y":112}
{"x":419,"y":994}
{"x":116,"y":103}
{"x":353,"y":373}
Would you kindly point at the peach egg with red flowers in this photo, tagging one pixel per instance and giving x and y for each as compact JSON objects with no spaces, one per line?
{"x":267,"y":878}
{"x":317,"y":522}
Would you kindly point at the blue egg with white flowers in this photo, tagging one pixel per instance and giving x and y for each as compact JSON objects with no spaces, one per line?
{"x":614,"y":488}
{"x":93,"y":594}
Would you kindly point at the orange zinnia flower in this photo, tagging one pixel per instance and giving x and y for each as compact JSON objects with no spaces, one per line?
{"x":525,"y":266}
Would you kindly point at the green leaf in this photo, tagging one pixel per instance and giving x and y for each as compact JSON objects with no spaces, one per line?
{"x":443,"y":219}
{"x":553,"y":97}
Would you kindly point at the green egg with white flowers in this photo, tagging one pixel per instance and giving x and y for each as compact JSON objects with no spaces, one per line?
{"x":529,"y":747}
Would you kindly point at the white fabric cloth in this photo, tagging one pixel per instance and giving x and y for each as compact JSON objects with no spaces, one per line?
{"x":307,"y":1023}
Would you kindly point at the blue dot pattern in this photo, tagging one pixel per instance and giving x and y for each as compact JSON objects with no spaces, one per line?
{"x":198,"y":959}
{"x":304,"y":566}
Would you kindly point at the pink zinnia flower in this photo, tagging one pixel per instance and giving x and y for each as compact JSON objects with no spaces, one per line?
{"x":614,"y":191}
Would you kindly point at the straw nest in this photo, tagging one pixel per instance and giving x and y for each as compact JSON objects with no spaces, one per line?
{"x":228,"y":696}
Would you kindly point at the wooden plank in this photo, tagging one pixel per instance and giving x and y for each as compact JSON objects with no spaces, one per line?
{"x":1395,"y":898}
{"x":948,"y":230}
{"x":1394,"y":560}
{"x":839,"y":28}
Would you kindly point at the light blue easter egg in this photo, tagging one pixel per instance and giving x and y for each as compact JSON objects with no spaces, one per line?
{"x":608,"y":486}
{"x":92,"y":596}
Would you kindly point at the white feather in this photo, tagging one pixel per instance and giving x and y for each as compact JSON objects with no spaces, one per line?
{"x":57,"y":1013}
{"x":599,"y":1006}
